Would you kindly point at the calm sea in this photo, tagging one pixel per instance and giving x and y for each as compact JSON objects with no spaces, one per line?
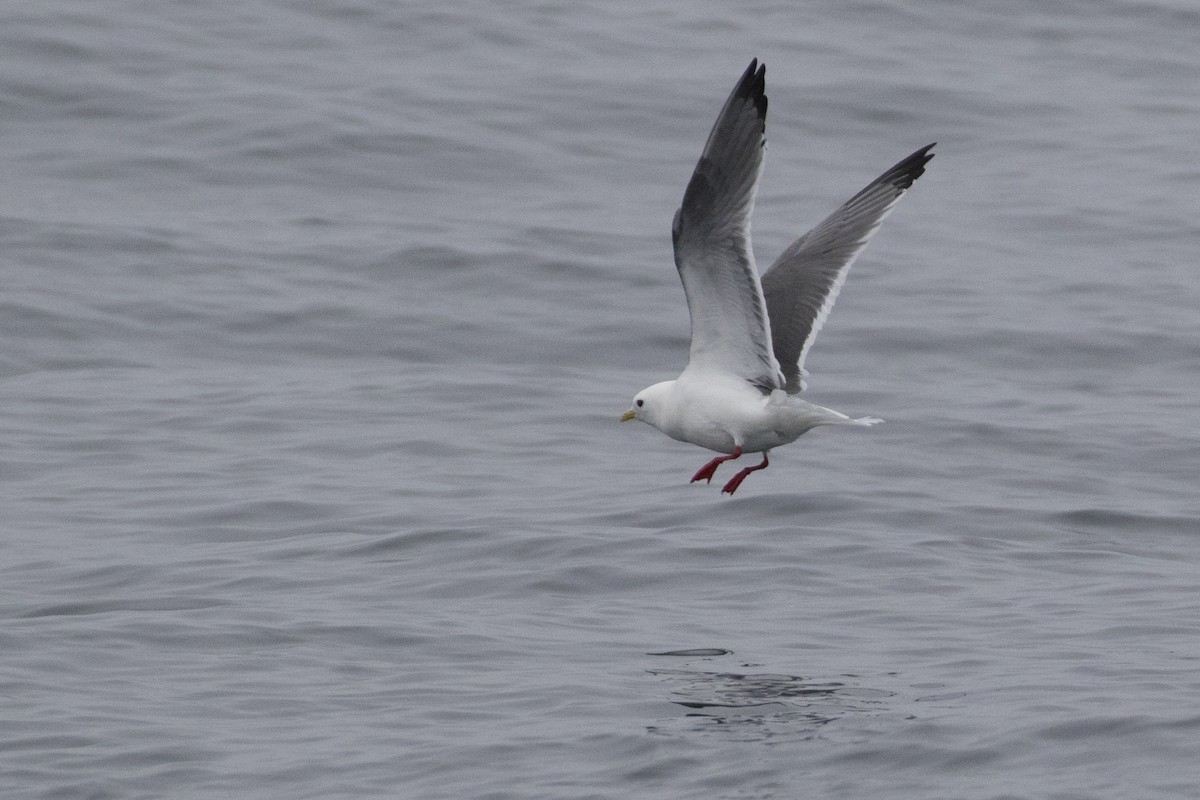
{"x":318,"y":318}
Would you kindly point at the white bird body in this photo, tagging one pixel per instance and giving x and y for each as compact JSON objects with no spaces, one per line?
{"x":725,"y":414}
{"x":750,"y":337}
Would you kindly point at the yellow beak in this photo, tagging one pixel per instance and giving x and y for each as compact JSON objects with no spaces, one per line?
{"x":628,"y":415}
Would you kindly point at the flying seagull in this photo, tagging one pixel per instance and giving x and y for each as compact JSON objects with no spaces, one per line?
{"x":737,"y":393}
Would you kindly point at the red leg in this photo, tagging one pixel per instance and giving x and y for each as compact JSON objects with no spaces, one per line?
{"x":706,"y":472}
{"x":736,"y":480}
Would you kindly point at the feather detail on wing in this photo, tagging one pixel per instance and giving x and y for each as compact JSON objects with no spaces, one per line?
{"x":802,"y":284}
{"x":711,"y":234}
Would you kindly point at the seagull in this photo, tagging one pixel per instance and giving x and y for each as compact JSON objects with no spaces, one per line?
{"x":738,"y":392}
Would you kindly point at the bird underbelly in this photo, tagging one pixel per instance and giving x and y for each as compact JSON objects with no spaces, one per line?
{"x":724,"y":414}
{"x":724,"y":433}
{"x":709,"y":436}
{"x":757,"y":441}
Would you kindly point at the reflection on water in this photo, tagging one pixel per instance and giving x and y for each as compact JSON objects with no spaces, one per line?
{"x":766,"y":706}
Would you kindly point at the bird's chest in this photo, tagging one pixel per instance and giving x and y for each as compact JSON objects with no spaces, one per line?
{"x":723,"y":420}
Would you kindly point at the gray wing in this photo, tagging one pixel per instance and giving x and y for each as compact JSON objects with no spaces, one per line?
{"x":711,"y":234}
{"x":802,"y":284}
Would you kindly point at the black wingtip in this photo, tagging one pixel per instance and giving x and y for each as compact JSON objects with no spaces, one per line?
{"x":753,"y":85}
{"x":755,"y":70}
{"x":909,"y":169}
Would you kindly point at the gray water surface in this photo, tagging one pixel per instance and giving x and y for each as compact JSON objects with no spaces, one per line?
{"x":318,"y":319}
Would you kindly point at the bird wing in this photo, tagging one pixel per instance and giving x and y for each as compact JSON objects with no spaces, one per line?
{"x":711,"y":234}
{"x":800,"y":287}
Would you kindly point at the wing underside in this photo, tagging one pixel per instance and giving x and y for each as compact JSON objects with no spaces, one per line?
{"x":800,"y":287}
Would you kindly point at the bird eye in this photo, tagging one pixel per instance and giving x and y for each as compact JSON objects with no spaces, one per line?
{"x":640,"y":403}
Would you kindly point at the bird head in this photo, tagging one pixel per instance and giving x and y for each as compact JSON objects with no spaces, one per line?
{"x":648,"y":404}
